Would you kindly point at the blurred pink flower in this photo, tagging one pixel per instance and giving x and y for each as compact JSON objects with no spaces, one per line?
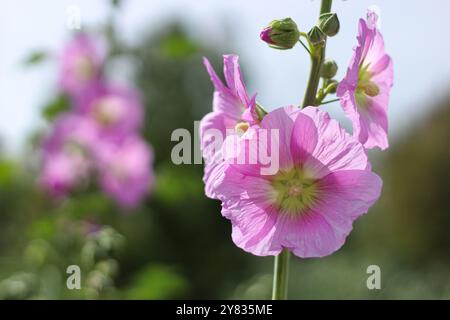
{"x":125,"y":169}
{"x":231,"y":106}
{"x":364,"y":92}
{"x":308,"y":206}
{"x":98,"y":137}
{"x":67,"y":154}
{"x":81,"y":65}
{"x":116,"y":110}
{"x":63,"y":173}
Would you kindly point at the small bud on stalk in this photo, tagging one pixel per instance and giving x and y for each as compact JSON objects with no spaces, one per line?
{"x":329,"y":69}
{"x":281,"y":34}
{"x":316,"y":36}
{"x":332,"y":86}
{"x":329,"y":24}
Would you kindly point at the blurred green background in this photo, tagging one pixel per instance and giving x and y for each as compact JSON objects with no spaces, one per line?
{"x":177,"y":245}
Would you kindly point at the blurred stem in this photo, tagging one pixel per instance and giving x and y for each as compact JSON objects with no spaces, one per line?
{"x":317,"y":57}
{"x":280,"y":275}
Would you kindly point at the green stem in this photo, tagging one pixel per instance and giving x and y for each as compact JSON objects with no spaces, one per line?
{"x":325,"y":7}
{"x":280,"y":275}
{"x":304,"y":46}
{"x":329,"y":101}
{"x":317,"y":58}
{"x":281,"y":267}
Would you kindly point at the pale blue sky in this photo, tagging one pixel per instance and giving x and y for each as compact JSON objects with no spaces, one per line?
{"x":416,"y":35}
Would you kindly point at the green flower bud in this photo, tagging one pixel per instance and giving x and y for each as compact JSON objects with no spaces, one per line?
{"x":281,"y":34}
{"x":316,"y":36}
{"x":329,"y":23}
{"x":329,"y":69}
{"x":332,"y":86}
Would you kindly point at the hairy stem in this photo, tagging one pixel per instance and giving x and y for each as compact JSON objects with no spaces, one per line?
{"x":317,"y":58}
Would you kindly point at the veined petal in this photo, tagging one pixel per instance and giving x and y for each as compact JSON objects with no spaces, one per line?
{"x":233,"y":77}
{"x":349,"y":193}
{"x":335,"y":149}
{"x":374,"y":124}
{"x":282,"y":119}
{"x":304,"y":138}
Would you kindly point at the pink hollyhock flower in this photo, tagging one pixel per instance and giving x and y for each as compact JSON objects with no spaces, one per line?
{"x":67,"y":154}
{"x":231,"y":107}
{"x":364,"y":92}
{"x":125,"y":170}
{"x":308,"y":206}
{"x":63,"y":173}
{"x":116,"y":110}
{"x":81,"y":65}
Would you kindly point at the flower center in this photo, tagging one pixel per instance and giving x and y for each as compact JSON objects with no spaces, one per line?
{"x":74,"y":148}
{"x":108,"y":111}
{"x":84,"y":68}
{"x":294,"y":191}
{"x":120,"y":171}
{"x":241,"y":128}
{"x":366,"y":87}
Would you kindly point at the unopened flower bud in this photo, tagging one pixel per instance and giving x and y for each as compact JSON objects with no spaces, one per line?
{"x":316,"y":36}
{"x":329,"y":23}
{"x":281,"y":34}
{"x":332,"y":86}
{"x":329,"y":69}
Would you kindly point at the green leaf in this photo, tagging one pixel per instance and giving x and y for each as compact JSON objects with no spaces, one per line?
{"x":56,"y":107}
{"x":35,"y":58}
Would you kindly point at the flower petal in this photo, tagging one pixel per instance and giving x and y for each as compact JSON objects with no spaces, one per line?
{"x":348,"y":194}
{"x":304,"y":138}
{"x":335,"y":149}
{"x":345,"y":196}
{"x":233,"y":77}
{"x":374,"y":124}
{"x":282,"y":119}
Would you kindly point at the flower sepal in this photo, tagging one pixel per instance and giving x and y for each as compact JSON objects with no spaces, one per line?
{"x":316,"y":36}
{"x":329,"y":24}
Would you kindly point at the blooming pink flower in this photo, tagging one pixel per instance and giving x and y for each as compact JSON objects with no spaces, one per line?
{"x":308,"y":206}
{"x":125,"y":169}
{"x":116,"y":110}
{"x":67,"y":154}
{"x":231,"y":106}
{"x":81,"y":65}
{"x":364,"y":92}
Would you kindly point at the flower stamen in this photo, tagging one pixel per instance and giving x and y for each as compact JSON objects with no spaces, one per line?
{"x":294,"y":191}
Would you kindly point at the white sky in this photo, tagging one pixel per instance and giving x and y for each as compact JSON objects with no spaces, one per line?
{"x":415,"y":31}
